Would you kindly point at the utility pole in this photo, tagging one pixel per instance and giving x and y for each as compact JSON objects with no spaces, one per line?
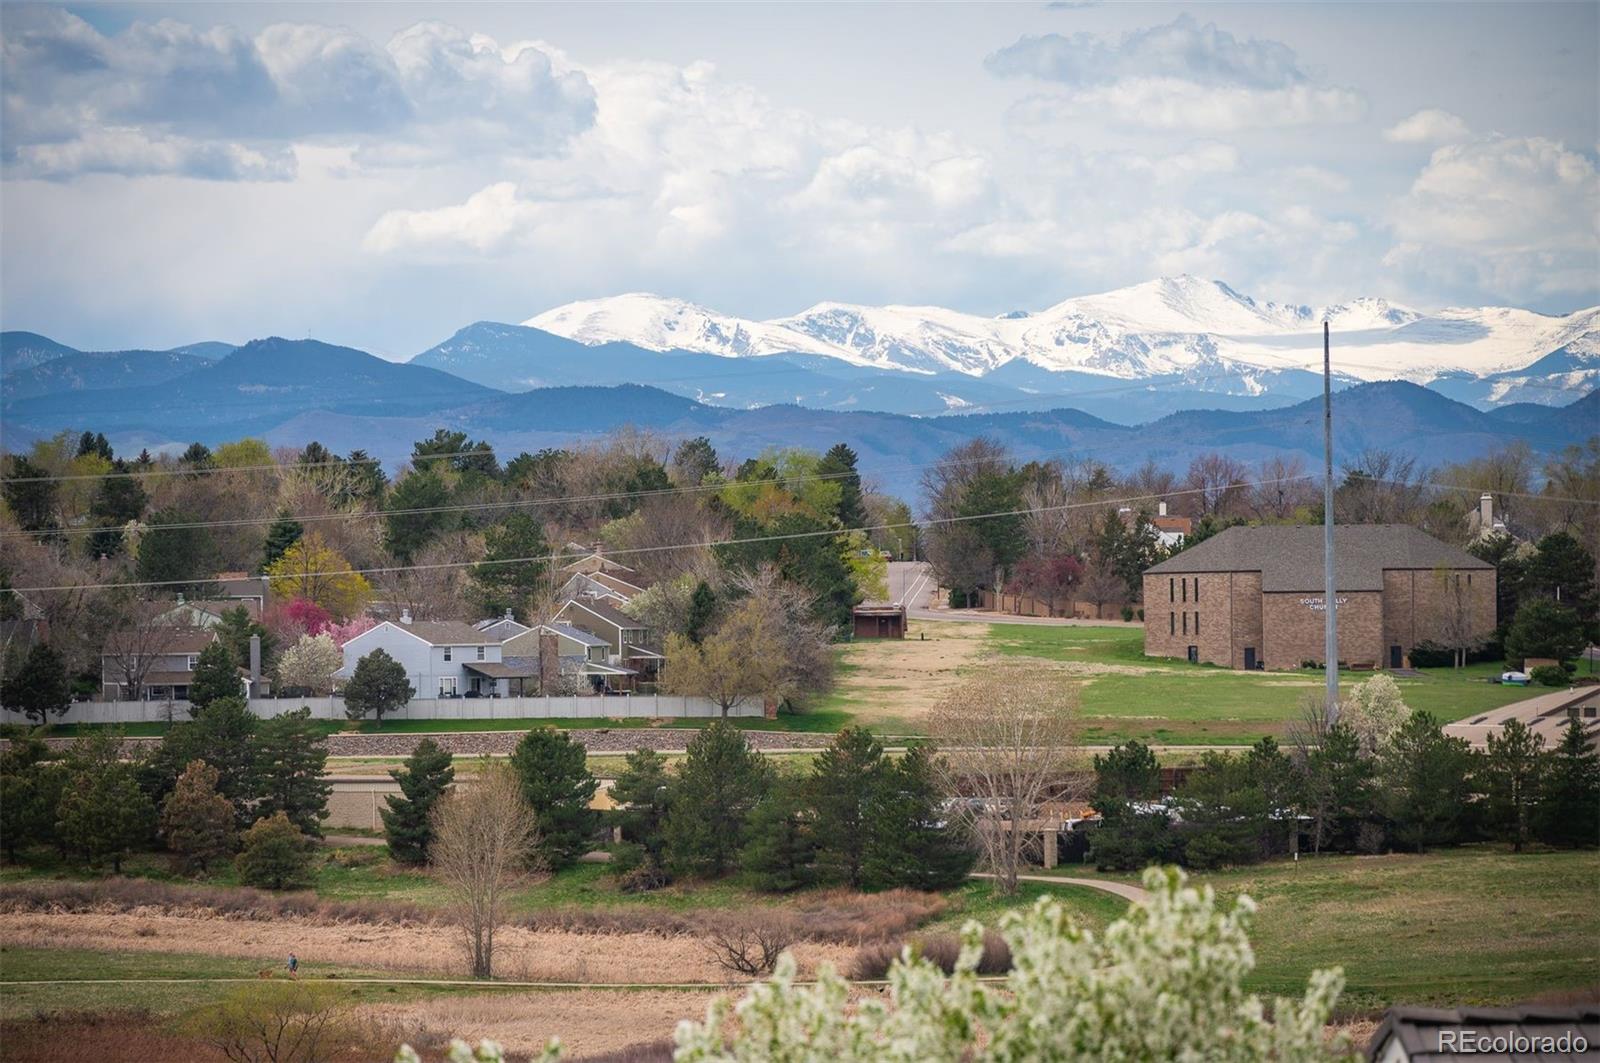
{"x":1330,"y":608}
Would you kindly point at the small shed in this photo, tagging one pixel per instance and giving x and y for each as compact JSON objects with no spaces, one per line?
{"x":1530,"y":1032}
{"x":879,"y":621}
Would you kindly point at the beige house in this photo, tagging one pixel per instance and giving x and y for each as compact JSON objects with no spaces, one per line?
{"x":1252,"y":597}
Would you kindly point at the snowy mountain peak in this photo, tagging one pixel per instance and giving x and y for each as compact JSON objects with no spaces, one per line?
{"x":1170,"y":328}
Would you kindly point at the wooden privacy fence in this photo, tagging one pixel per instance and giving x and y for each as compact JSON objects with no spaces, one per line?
{"x":636,"y":706}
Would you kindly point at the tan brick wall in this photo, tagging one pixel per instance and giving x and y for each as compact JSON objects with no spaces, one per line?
{"x":1422,"y":599}
{"x":1227,"y":603}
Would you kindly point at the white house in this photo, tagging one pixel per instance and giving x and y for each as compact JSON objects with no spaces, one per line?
{"x":442,"y":658}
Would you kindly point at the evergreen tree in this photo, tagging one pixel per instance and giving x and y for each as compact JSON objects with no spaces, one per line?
{"x":702,"y":613}
{"x":197,"y":456}
{"x":102,"y":812}
{"x":1336,"y":789}
{"x":640,"y":791}
{"x":1512,"y":770}
{"x":717,"y":786}
{"x":513,"y":565}
{"x":1425,"y":782}
{"x":196,"y":821}
{"x":781,"y":840}
{"x":910,"y":841}
{"x":30,"y":789}
{"x":281,"y":534}
{"x":1544,"y":628}
{"x":179,"y":558}
{"x":234,"y":632}
{"x":94,"y":443}
{"x":365,"y":478}
{"x":39,"y":687}
{"x":216,"y":676}
{"x":844,"y":781}
{"x":555,"y":778}
{"x":1128,"y":772}
{"x":291,"y":754}
{"x":1562,"y":570}
{"x":117,"y":500}
{"x":839,"y":465}
{"x":379,"y":685}
{"x":407,"y":531}
{"x":408,"y":821}
{"x":275,"y":856}
{"x":224,"y":736}
{"x":31,"y":494}
{"x":1569,"y":809}
{"x":694,"y":460}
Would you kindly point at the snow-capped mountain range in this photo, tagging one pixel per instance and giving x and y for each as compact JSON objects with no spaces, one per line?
{"x":1172,"y":328}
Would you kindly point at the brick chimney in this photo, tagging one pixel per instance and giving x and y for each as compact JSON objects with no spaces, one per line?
{"x":255,"y":662}
{"x":405,"y":616}
{"x":1485,"y":512}
{"x":1161,"y":509}
{"x":549,"y":661}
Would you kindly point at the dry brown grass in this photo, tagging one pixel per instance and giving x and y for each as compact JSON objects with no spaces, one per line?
{"x":827,"y":916}
{"x":872,"y":961}
{"x":124,"y":1036}
{"x":904,"y":678}
{"x":425,"y":951}
{"x":589,"y":1022}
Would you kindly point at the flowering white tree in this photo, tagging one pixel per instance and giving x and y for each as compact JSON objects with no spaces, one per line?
{"x":1164,"y":982}
{"x":309,"y":664}
{"x":1375,"y":710}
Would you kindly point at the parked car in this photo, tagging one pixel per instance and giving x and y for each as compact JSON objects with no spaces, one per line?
{"x":1514,"y":678}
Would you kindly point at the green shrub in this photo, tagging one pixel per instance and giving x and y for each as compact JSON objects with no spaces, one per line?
{"x":276,"y":855}
{"x":1549,"y":675}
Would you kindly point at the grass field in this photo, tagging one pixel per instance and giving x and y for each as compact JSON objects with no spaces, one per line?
{"x":1477,"y":924}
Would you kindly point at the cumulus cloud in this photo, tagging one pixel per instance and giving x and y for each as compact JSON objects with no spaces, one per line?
{"x":1181,"y":75}
{"x":1181,"y":48}
{"x":200,"y":96}
{"x":1428,"y":126}
{"x":1510,"y":214}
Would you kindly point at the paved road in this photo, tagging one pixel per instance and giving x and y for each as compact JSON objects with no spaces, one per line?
{"x":911,"y":584}
{"x":1125,"y":890}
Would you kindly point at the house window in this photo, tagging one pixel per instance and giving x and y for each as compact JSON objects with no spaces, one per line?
{"x":1172,"y":623}
{"x":480,"y":653}
{"x":1185,"y":623}
{"x":1469,"y":579}
{"x":1172,"y":590}
{"x":447,"y":653}
{"x":1197,"y":622}
{"x":447,"y":687}
{"x":1197,"y":592}
{"x":194,"y":662}
{"x":1185,"y":590}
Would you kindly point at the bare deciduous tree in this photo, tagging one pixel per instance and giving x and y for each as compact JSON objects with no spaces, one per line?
{"x":751,"y":946}
{"x":436,"y":592}
{"x":137,"y":641}
{"x":1215,"y":485}
{"x":1008,"y":741}
{"x":482,"y":837}
{"x":1281,"y":488}
{"x":1458,"y":629}
{"x":1380,"y":487}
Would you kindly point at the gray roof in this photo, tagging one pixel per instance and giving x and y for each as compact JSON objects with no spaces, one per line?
{"x":445,"y":632}
{"x":577,"y":634}
{"x":1289,"y":556}
{"x":1417,"y":1030}
{"x":607,"y":613}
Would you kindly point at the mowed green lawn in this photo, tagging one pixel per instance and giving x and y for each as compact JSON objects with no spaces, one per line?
{"x":1128,"y":695}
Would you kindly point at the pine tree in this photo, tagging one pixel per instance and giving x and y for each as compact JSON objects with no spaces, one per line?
{"x":1426,"y":781}
{"x":513,"y":565}
{"x":39,"y":687}
{"x":216,"y":676}
{"x":408,"y":531}
{"x":640,"y":791}
{"x":718,"y":785}
{"x":196,"y":821}
{"x":276,"y":856}
{"x":117,"y":500}
{"x":235,"y":630}
{"x":224,"y":736}
{"x":379,"y":685}
{"x":102,"y":812}
{"x":1129,"y":772}
{"x":1569,"y":813}
{"x":702,"y":613}
{"x":30,"y":789}
{"x":281,"y":534}
{"x":910,"y":841}
{"x":1512,"y":771}
{"x":844,"y":780}
{"x":839,"y":465}
{"x":554,"y":773}
{"x":175,"y":553}
{"x":290,"y":755}
{"x":781,"y":840}
{"x":408,"y":821}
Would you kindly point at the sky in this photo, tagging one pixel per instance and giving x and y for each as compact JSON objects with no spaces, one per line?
{"x":380,"y":175}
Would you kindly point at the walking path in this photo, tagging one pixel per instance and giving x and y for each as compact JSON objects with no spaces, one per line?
{"x":1125,"y":890}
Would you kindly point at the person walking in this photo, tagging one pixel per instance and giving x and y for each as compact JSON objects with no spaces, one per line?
{"x":294,"y":965}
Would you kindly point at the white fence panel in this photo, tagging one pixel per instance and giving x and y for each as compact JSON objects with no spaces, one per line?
{"x":638,"y":706}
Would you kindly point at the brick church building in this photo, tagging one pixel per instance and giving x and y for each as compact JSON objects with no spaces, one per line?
{"x":1253,"y":597}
